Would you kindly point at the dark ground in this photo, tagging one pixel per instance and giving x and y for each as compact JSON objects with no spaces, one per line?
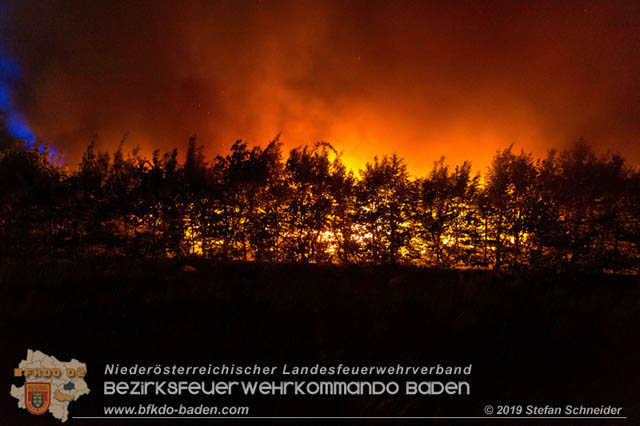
{"x":532,"y":338}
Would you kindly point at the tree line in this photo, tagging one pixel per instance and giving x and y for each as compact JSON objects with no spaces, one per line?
{"x":572,"y":209}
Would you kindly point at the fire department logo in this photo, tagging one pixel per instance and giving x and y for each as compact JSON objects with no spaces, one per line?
{"x":37,"y":397}
{"x":50,"y":385}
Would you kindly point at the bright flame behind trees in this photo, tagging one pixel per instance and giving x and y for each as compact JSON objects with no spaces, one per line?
{"x":569,"y":210}
{"x":419,"y":78}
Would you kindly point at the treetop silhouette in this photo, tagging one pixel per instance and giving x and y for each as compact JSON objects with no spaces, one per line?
{"x":570,"y":210}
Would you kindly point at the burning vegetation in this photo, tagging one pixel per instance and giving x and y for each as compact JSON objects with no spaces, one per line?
{"x":570,"y":210}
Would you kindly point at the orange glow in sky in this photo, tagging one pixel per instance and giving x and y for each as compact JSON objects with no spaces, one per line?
{"x":422,"y":79}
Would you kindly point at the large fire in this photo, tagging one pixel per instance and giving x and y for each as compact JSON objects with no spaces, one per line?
{"x":419,"y":79}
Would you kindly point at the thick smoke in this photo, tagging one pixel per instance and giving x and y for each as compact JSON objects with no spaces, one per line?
{"x":422,"y":79}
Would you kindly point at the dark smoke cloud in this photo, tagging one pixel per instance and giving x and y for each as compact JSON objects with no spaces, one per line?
{"x":420,"y":78}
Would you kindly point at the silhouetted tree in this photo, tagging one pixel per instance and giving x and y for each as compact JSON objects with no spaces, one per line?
{"x":29,"y":199}
{"x":310,"y":204}
{"x":507,"y":206}
{"x":384,"y":207}
{"x":590,"y":197}
{"x":444,"y":217}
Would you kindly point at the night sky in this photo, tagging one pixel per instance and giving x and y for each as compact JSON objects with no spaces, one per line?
{"x":423,"y":79}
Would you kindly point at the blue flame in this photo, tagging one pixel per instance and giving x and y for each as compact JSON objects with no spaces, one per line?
{"x":16,"y":124}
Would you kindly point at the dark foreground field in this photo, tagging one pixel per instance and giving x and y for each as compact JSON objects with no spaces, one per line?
{"x":532,"y":339}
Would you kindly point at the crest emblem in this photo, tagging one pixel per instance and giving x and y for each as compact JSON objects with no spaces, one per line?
{"x":37,"y":397}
